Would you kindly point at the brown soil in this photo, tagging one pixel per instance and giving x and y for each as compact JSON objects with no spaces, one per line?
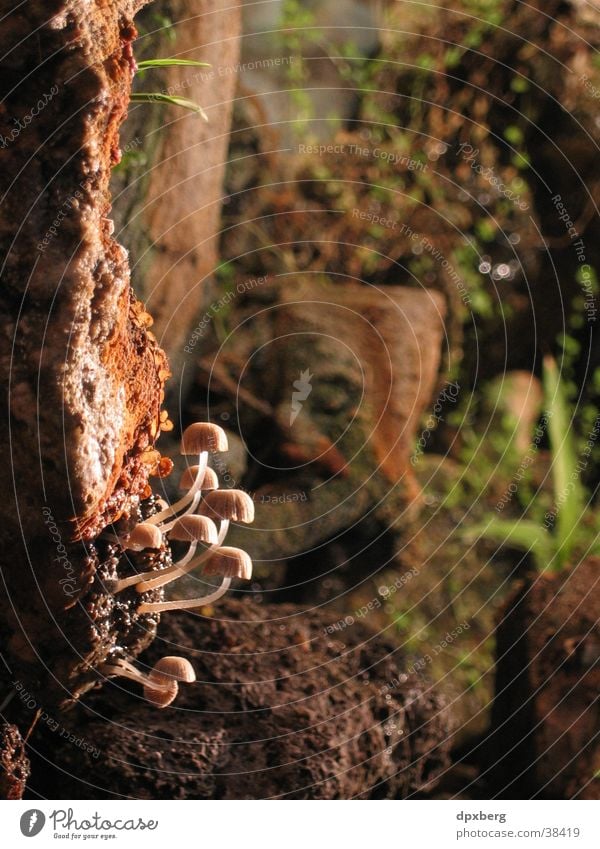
{"x":303,"y":716}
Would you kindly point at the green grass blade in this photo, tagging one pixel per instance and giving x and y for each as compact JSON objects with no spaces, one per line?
{"x":569,"y":494}
{"x":146,"y":64}
{"x":524,"y":535}
{"x":520,"y":534}
{"x":158,"y":97}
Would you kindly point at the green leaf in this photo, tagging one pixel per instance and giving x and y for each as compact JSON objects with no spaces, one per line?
{"x":474,"y":38}
{"x":569,"y":495}
{"x":425,"y":61}
{"x":145,"y":64}
{"x":486,"y":229}
{"x":587,"y":278}
{"x":522,"y":534}
{"x":158,"y":97}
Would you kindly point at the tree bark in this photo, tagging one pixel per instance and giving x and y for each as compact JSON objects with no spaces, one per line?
{"x":82,"y":378}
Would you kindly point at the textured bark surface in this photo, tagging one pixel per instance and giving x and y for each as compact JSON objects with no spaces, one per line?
{"x":14,"y":763}
{"x":545,"y":715}
{"x":281,"y":709}
{"x":82,"y":377}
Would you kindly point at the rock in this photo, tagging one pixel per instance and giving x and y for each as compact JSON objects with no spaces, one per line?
{"x":281,"y":709}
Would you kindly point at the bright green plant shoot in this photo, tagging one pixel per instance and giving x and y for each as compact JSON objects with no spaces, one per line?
{"x":573,"y":530}
{"x":160,"y":97}
{"x":145,"y":64}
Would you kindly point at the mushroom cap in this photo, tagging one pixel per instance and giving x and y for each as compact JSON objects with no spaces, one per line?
{"x":228,"y":504}
{"x":203,"y":436}
{"x":230,"y":563}
{"x":173,"y":668}
{"x":162,"y":695}
{"x":144,"y":535}
{"x":190,"y":528}
{"x":188,"y":478}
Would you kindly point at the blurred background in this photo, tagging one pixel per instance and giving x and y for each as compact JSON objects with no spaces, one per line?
{"x":376,"y":266}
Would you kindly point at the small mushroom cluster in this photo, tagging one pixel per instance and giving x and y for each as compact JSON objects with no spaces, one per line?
{"x":193,"y":520}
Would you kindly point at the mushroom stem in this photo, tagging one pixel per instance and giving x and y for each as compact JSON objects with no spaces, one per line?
{"x":182,"y":567}
{"x":186,"y":603}
{"x":152,"y":580}
{"x":117,"y":586}
{"x":167,"y":517}
{"x":124,"y":669}
{"x":224,"y":527}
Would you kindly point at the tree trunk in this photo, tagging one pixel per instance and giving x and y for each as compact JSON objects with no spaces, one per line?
{"x":81,"y":375}
{"x":171,"y":210}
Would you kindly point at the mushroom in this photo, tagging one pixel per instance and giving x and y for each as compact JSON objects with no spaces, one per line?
{"x":176,"y":667}
{"x":202,"y":437}
{"x":144,"y":535}
{"x":162,"y":686}
{"x":192,"y":529}
{"x":223,"y":504}
{"x":182,"y":523}
{"x":188,"y":478}
{"x":199,"y":438}
{"x":161,"y":683}
{"x":228,"y":562}
{"x":228,"y":504}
